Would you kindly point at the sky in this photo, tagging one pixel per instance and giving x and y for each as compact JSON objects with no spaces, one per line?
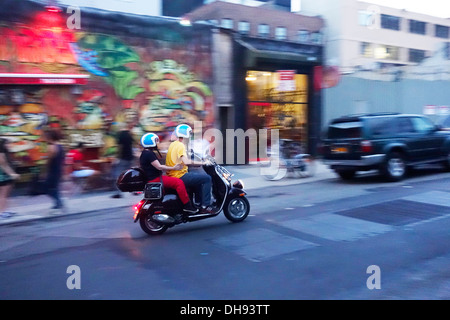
{"x":438,"y":8}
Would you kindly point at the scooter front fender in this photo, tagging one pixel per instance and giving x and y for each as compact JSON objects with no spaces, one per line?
{"x":236,"y":192}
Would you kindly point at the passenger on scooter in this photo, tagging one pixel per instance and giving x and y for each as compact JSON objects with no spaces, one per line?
{"x":153,"y":170}
{"x":177,"y":155}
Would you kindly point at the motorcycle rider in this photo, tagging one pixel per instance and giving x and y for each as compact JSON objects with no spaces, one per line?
{"x":177,"y":155}
{"x":153,"y":170}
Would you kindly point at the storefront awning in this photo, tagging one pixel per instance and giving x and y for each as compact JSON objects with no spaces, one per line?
{"x":279,"y":50}
{"x":43,"y":79}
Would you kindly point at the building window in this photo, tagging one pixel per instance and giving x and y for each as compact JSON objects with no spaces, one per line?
{"x":244,"y":27}
{"x":263,"y":30}
{"x":417,"y":27}
{"x":280,"y":33}
{"x":390,"y":22}
{"x":367,"y":18}
{"x":303,"y":36}
{"x":387,"y":53}
{"x":227,"y":23}
{"x":442,"y":31}
{"x":416,"y":55}
{"x":366,"y":50}
{"x":316,"y":37}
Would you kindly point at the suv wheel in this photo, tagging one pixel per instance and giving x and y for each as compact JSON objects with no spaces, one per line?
{"x":395,"y":167}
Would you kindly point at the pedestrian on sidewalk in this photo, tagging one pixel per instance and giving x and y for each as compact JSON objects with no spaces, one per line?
{"x":7,"y":177}
{"x":54,"y":166}
{"x":125,"y":155}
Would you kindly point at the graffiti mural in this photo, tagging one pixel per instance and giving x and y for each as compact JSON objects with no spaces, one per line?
{"x":176,"y":96}
{"x":152,"y":83}
{"x":22,"y":125}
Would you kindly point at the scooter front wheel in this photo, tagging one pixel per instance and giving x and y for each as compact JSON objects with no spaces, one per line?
{"x":236,"y":209}
{"x":151,"y":227}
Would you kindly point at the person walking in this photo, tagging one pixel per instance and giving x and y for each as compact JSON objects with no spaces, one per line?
{"x":125,"y":155}
{"x":7,"y":177}
{"x":54,"y":166}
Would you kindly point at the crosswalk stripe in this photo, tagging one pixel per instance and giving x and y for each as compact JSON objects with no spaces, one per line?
{"x":439,"y":198}
{"x":335,"y":227}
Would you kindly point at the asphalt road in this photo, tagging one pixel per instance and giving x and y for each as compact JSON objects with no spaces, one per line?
{"x":312,"y":241}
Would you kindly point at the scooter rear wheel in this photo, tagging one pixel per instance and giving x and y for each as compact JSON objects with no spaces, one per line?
{"x":151,"y":227}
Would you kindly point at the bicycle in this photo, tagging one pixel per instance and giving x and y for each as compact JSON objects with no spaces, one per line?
{"x":289,"y":160}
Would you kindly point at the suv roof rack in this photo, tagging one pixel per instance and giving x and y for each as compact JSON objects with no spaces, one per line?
{"x":358,"y":115}
{"x":361,"y":115}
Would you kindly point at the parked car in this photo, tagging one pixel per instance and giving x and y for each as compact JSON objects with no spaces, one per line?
{"x":388,"y":142}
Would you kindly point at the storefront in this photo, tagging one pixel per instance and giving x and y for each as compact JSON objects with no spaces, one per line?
{"x":272,"y":105}
{"x":276,"y":89}
{"x":148,"y":72}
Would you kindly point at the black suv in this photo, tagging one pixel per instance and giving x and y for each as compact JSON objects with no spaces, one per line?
{"x":388,"y":142}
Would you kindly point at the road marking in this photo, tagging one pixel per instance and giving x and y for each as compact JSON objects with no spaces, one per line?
{"x":438,"y":198}
{"x":262,"y":244}
{"x":335,"y":227}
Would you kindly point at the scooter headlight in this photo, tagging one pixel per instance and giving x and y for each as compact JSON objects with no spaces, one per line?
{"x":238,"y":184}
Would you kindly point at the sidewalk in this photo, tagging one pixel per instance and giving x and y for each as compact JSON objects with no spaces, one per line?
{"x":39,"y":207}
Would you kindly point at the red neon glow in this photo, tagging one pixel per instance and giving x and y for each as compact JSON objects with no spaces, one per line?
{"x":50,"y":18}
{"x":53,"y":9}
{"x":259,"y":104}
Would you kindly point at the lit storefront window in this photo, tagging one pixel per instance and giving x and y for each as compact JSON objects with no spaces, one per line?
{"x":269,"y":108}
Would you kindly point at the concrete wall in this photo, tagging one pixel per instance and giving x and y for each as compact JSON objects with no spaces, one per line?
{"x":357,"y":95}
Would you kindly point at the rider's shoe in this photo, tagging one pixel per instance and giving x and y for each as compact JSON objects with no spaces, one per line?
{"x":189,"y":208}
{"x":207,"y":209}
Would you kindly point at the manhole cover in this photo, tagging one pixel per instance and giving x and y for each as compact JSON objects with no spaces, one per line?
{"x":397,"y":212}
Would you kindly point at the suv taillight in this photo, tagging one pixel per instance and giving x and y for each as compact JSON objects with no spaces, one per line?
{"x":366,"y":146}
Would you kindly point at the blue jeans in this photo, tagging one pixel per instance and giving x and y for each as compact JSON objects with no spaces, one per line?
{"x":52,"y":186}
{"x":202,"y":184}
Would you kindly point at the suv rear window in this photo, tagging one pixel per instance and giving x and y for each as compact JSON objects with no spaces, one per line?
{"x":345,"y":130}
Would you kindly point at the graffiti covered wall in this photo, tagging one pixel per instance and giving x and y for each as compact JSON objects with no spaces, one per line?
{"x":152,"y":83}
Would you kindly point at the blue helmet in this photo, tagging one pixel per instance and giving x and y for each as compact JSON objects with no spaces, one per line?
{"x":149,"y":140}
{"x":183,"y":131}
